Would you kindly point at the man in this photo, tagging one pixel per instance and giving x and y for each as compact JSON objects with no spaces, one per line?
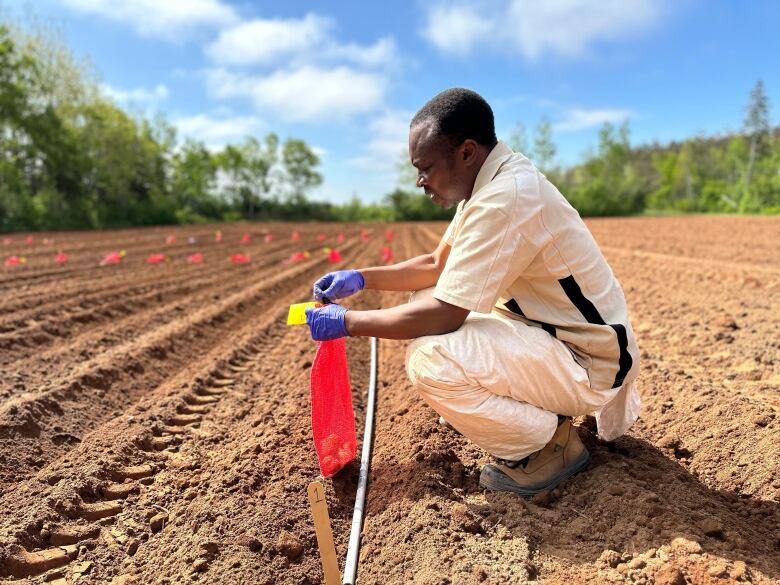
{"x":518,"y":321}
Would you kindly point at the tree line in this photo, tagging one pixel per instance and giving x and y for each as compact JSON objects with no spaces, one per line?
{"x":71,"y":158}
{"x":736,"y":173}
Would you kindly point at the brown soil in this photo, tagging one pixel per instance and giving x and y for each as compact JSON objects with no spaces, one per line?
{"x":154,"y":422}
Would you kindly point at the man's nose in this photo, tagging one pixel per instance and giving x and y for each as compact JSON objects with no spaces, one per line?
{"x":420,"y":181}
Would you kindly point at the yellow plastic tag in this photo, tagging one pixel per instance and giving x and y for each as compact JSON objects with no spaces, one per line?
{"x":297,"y":314}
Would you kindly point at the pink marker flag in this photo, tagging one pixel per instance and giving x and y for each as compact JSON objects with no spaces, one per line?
{"x":239,"y":259}
{"x":387,"y":254}
{"x":113,"y":258}
{"x":334,"y":256}
{"x":14,"y":261}
{"x":156,"y":259}
{"x":195,"y":258}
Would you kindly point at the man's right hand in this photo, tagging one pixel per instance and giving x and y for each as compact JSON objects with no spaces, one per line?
{"x":337,"y":285}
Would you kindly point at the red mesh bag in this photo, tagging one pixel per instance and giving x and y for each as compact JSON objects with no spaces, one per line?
{"x":332,"y":417}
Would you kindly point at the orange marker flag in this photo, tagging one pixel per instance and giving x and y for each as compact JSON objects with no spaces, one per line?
{"x":218,"y":236}
{"x":170,"y":240}
{"x":295,"y":237}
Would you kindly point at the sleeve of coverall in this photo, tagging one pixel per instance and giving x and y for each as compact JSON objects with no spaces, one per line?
{"x":487,"y":254}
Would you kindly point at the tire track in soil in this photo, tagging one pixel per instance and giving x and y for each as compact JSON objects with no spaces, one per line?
{"x":94,"y":390}
{"x":20,"y":562}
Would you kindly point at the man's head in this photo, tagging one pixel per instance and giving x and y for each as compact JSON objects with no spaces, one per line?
{"x":449,"y":139}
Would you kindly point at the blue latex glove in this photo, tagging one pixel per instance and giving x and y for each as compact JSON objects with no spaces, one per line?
{"x":327,"y":322}
{"x":337,"y":285}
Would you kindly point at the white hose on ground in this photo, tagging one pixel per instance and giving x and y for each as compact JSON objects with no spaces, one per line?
{"x":353,"y":550}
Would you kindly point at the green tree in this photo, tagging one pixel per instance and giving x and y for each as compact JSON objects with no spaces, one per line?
{"x":300,"y":163}
{"x":756,"y":127}
{"x":247,"y":169}
{"x":193,"y":183}
{"x":544,"y":147}
{"x":518,"y":141}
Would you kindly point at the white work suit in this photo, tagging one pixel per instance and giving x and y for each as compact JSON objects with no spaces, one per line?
{"x":548,"y":331}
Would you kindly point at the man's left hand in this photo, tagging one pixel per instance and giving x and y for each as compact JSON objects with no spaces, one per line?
{"x":327,"y":322}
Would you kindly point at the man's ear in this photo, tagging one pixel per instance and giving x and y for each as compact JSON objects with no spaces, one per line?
{"x":469,"y":151}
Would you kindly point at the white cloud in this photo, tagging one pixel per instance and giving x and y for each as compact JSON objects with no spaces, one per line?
{"x":580,"y":119}
{"x":380,"y":54}
{"x":259,"y":42}
{"x":388,"y":143}
{"x":567,"y":28}
{"x":168,"y":19}
{"x":139,"y":96}
{"x":305,"y":93}
{"x":216,"y":132}
{"x":295,"y":42}
{"x":457,"y":27}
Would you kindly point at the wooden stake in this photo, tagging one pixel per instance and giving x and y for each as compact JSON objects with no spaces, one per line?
{"x":319,"y":511}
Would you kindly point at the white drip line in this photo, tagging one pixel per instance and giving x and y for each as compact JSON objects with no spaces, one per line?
{"x":353,"y":550}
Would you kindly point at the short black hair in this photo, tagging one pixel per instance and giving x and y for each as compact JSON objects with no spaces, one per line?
{"x":459,"y":114}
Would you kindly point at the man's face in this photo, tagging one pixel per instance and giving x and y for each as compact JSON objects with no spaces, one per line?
{"x":441,"y":171}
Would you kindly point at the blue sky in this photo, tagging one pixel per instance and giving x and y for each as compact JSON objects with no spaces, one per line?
{"x":347,"y":76}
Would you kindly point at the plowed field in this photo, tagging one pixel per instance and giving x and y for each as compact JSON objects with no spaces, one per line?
{"x":155,"y":429}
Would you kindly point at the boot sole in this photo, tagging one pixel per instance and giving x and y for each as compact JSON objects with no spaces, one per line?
{"x":494,"y":479}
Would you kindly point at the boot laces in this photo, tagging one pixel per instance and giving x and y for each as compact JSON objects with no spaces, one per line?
{"x":514,"y":464}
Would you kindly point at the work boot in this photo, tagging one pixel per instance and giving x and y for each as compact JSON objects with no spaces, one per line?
{"x":558,"y":460}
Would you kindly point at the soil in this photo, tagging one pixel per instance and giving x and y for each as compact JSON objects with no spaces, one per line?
{"x":155,"y":424}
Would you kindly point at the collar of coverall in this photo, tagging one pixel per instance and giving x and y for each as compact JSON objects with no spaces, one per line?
{"x":498,"y":156}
